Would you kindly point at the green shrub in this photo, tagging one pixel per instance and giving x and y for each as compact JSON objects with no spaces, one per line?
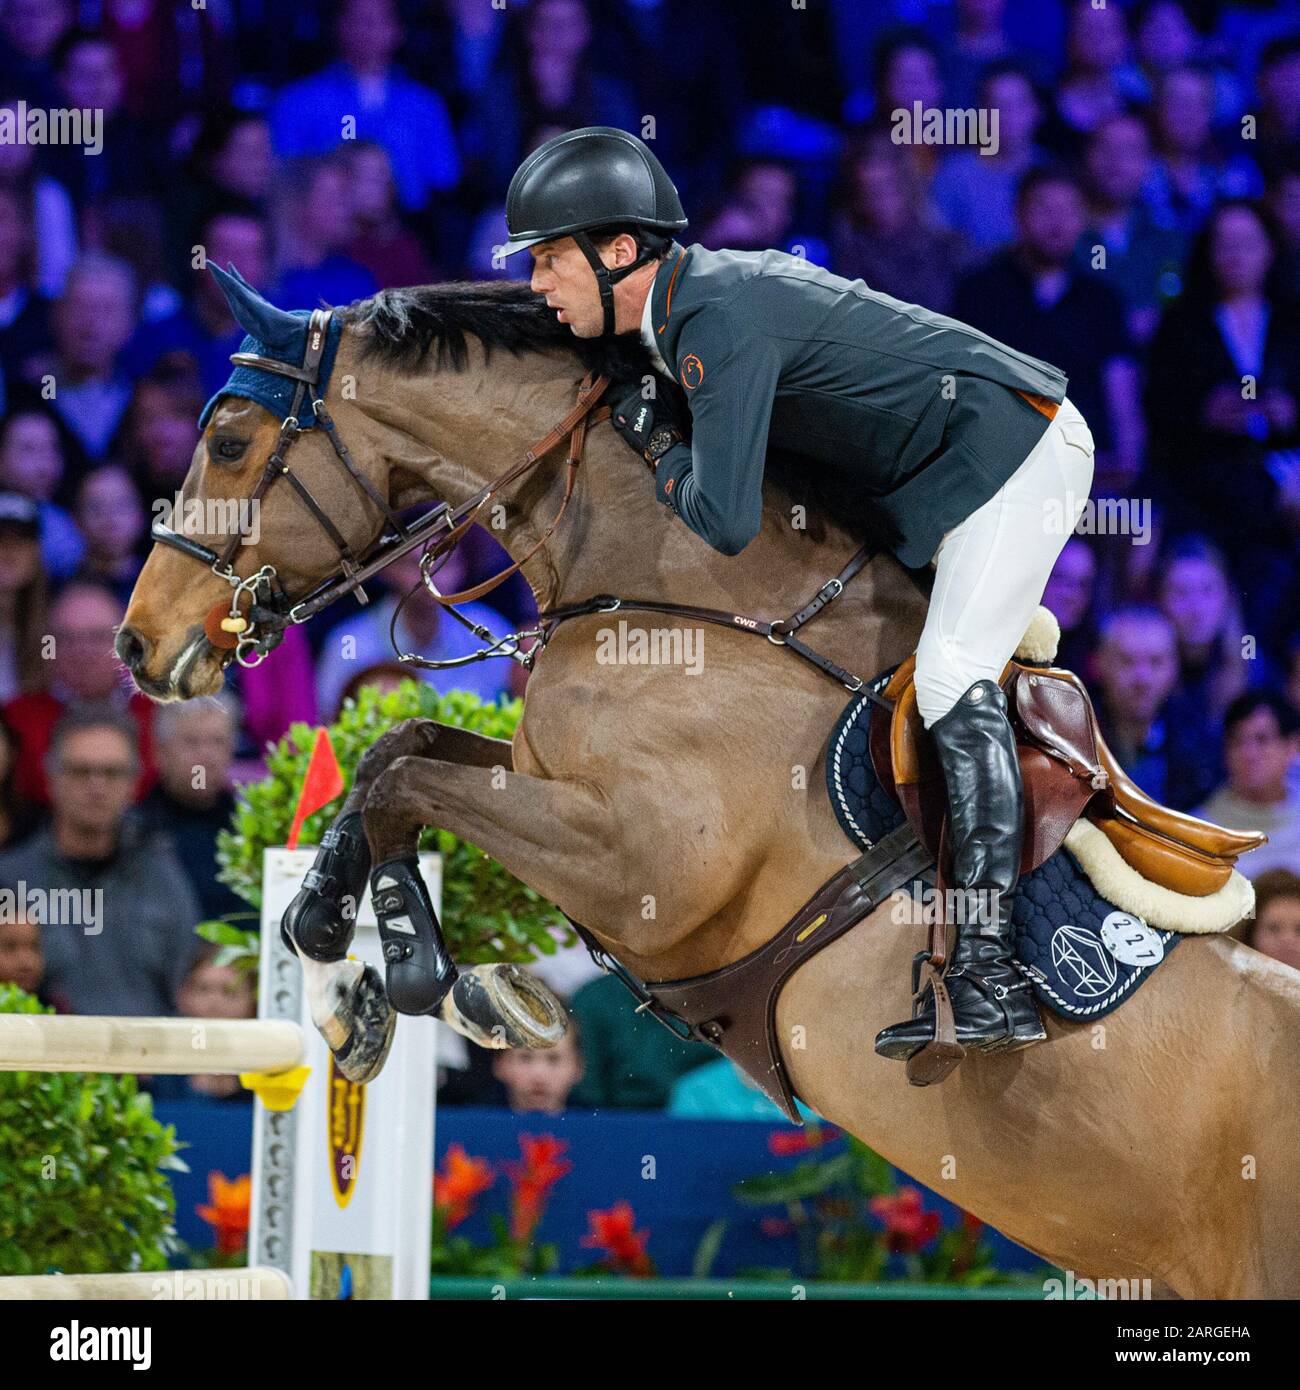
{"x":84,"y":1187}
{"x":488,"y":915}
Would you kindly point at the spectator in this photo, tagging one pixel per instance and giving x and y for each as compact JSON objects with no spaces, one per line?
{"x":974,"y":192}
{"x":194,"y":744}
{"x":879,"y":234}
{"x":1223,"y":383}
{"x":21,"y":960}
{"x":1143,"y":259}
{"x":977,"y":41}
{"x":111,"y":516}
{"x":423,"y":627}
{"x":1165,"y":37}
{"x":546,"y":76}
{"x":366,"y":94}
{"x":380,"y":243}
{"x":210,"y":990}
{"x":30,"y":32}
{"x":160,"y":430}
{"x":18,"y":817}
{"x":1033,"y":296}
{"x":1137,"y":669}
{"x":1260,"y":744}
{"x":33,"y":454}
{"x":203,"y":328}
{"x":1069,"y":596}
{"x":90,"y":78}
{"x":117,"y":933}
{"x":1275,"y":927}
{"x":1196,"y":596}
{"x":53,"y":217}
{"x":1100,"y":79}
{"x":1279,"y":91}
{"x":22,"y":597}
{"x":84,"y":670}
{"x":540,"y":1081}
{"x":905,"y":71}
{"x":719,"y":1090}
{"x":1190,"y":174}
{"x":758,"y":214}
{"x":24,"y":314}
{"x":629,"y":1061}
{"x":93,"y":320}
{"x":313,"y":226}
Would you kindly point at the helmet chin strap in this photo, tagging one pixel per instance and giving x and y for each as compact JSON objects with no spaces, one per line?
{"x":606,"y":278}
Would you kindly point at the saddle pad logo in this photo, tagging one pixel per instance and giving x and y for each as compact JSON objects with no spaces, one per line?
{"x":1129,"y":939}
{"x":692,"y":371}
{"x":1082,"y":961}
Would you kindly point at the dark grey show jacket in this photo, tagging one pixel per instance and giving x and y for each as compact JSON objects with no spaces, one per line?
{"x":910,"y":421}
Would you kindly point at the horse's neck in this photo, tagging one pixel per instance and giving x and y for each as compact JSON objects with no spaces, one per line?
{"x":615,"y":537}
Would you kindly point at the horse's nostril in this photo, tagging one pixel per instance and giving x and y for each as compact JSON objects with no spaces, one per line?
{"x":131,"y":649}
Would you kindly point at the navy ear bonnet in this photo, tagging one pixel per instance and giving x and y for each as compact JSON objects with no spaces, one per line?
{"x":271,"y":332}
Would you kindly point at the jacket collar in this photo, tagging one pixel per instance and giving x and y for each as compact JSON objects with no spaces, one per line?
{"x":667,"y":282}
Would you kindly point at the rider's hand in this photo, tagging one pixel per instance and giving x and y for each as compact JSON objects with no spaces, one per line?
{"x":650,"y":426}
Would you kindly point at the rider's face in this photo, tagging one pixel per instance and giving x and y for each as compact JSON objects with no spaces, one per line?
{"x":562,"y":275}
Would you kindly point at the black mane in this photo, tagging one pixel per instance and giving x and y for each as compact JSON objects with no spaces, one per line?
{"x":408,"y":324}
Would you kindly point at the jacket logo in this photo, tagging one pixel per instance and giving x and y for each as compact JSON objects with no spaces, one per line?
{"x":692,"y":371}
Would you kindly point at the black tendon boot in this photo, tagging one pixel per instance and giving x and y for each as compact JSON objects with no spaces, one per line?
{"x":993,"y":1004}
{"x":320,"y":920}
{"x":419,"y":972}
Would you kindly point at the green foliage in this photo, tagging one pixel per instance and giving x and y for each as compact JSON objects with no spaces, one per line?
{"x":488,"y":915}
{"x":84,"y":1188}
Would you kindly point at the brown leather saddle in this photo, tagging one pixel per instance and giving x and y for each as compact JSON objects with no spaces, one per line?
{"x":1067,"y":771}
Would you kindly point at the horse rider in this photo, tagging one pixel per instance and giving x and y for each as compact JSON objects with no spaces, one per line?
{"x":966,"y":453}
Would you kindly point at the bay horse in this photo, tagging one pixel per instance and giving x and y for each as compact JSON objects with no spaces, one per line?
{"x":677,"y":810}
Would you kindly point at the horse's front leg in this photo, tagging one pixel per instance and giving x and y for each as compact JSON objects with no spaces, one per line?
{"x":347,"y":998}
{"x":548,"y":833}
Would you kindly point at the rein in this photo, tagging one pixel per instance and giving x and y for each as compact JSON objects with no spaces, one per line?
{"x":260,"y":610}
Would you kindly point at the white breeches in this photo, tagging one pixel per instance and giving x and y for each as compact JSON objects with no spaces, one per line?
{"x":990,"y":572}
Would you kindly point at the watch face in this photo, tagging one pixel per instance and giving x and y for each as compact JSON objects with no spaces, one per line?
{"x":660,"y":442}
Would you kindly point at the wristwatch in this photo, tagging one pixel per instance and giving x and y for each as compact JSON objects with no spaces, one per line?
{"x":660,"y":441}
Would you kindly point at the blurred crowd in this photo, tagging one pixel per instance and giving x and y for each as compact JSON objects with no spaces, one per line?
{"x":1137,"y":224}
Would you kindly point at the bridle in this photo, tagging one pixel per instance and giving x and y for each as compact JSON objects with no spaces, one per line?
{"x":260,"y":609}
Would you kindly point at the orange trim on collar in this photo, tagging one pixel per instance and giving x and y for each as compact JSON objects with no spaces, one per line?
{"x":668,"y":303}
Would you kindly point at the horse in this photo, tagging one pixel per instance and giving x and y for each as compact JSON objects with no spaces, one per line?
{"x":674,"y":808}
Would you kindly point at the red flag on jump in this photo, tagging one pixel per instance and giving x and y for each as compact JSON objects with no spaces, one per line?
{"x":323,"y":782}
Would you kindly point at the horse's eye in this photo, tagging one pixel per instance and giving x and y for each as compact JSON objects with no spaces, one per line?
{"x":230,"y":449}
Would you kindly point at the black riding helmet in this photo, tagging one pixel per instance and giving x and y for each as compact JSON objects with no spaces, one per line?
{"x":589,"y":178}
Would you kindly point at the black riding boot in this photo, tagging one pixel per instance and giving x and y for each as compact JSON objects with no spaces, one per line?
{"x":992,"y":1001}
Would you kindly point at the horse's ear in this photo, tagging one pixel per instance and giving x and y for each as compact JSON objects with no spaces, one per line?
{"x":259,"y":318}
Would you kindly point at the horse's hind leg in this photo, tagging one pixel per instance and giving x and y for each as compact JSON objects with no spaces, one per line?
{"x":348,"y":1002}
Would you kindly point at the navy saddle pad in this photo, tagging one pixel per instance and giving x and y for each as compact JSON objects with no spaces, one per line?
{"x":1083,"y":954}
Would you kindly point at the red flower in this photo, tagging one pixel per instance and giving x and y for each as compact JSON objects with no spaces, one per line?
{"x":532,"y":1180}
{"x":776,"y":1226}
{"x":227,"y":1211}
{"x":907,"y":1227}
{"x":613,"y":1232}
{"x":784,"y":1143}
{"x":461,"y":1180}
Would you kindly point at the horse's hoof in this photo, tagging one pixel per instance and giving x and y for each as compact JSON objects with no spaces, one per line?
{"x":933,"y":1062}
{"x":504,"y":1006}
{"x":358,"y":1026}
